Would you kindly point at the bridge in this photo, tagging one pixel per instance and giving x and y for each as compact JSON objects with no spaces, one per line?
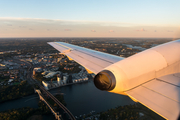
{"x":58,"y":103}
{"x":56,"y":114}
{"x":35,"y":82}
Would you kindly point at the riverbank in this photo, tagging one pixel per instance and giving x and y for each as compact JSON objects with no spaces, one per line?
{"x":80,"y":99}
{"x":68,"y":84}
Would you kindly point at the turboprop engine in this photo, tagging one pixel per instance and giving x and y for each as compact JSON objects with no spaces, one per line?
{"x":140,"y":68}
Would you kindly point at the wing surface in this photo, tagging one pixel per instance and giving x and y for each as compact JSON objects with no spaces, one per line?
{"x":162,"y":95}
{"x":92,"y":60}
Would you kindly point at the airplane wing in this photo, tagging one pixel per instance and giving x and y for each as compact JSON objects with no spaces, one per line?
{"x":92,"y":60}
{"x":161,"y":94}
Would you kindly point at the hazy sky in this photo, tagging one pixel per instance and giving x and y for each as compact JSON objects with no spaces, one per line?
{"x":89,"y":18}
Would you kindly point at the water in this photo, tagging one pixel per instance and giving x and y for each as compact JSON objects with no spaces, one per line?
{"x":80,"y":98}
{"x":135,"y":47}
{"x":29,"y":101}
{"x":85,"y":97}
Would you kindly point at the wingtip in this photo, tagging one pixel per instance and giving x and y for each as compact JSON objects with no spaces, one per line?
{"x":49,"y":42}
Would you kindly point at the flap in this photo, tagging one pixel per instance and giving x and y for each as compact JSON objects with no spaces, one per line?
{"x":161,"y":95}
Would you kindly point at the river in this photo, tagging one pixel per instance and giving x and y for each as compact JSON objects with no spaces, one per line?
{"x":80,"y":98}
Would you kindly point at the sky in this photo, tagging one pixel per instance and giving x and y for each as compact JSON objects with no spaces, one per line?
{"x":90,"y":18}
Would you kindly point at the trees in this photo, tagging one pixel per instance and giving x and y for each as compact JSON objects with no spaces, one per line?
{"x":129,"y":112}
{"x":15,"y":91}
{"x":17,"y":114}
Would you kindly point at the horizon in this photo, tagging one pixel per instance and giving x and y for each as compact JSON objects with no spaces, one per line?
{"x":140,"y":19}
{"x":91,"y":37}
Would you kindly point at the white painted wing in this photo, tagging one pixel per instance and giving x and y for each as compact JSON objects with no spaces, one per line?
{"x":162,"y":95}
{"x":92,"y":60}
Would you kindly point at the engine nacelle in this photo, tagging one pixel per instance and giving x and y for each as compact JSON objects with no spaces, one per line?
{"x":105,"y":80}
{"x":140,"y":68}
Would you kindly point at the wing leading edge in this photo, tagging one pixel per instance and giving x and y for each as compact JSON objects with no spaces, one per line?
{"x":92,"y":60}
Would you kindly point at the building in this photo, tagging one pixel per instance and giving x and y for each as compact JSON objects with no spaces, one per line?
{"x":35,"y":70}
{"x":45,"y":73}
{"x":51,"y":74}
{"x":69,"y":80}
{"x":65,"y":79}
{"x":46,"y":85}
{"x":59,"y":80}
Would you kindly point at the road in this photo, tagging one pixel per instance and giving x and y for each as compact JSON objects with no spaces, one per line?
{"x":34,"y":82}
